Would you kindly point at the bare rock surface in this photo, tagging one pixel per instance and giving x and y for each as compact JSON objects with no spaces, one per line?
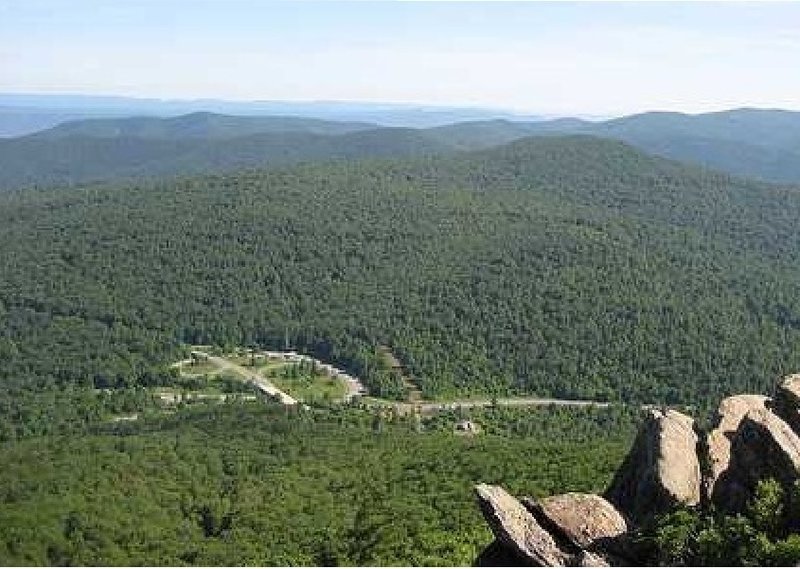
{"x":730,"y":413}
{"x":662,"y":469}
{"x":513,"y":525}
{"x":787,"y":401}
{"x":755,"y":438}
{"x":764,"y":446}
{"x":585,"y":520}
{"x":589,"y":559}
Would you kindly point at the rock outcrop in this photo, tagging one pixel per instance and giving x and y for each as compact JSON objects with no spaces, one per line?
{"x":661,"y":471}
{"x":585,"y":521}
{"x":731,"y":411}
{"x":763,"y":447}
{"x":754,"y":438}
{"x":515,"y":527}
{"x":787,"y":401}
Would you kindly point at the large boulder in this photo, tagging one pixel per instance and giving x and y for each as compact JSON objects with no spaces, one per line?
{"x":662,"y":469}
{"x":764,"y":446}
{"x":730,"y":413}
{"x":586,"y":521}
{"x":515,"y":527}
{"x":787,"y":401}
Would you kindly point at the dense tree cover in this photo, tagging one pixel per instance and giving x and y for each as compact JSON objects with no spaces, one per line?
{"x":568,"y":267}
{"x":766,"y":534}
{"x":250,"y":484}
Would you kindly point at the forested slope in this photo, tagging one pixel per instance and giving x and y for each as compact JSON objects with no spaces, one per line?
{"x":571,"y":267}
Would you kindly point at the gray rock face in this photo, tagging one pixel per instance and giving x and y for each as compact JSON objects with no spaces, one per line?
{"x":515,"y":527}
{"x":787,"y":401}
{"x":730,"y":413}
{"x":589,"y":559}
{"x":662,"y":469}
{"x":755,"y":438}
{"x":587,"y":521}
{"x":764,"y":446}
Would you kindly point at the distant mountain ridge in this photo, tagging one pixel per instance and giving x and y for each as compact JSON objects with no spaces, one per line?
{"x":74,"y":159}
{"x":755,"y":143}
{"x":199,"y":125}
{"x":22,"y":113}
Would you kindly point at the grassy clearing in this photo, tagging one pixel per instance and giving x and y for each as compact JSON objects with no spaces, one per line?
{"x":307,"y":387}
{"x":298,"y":380}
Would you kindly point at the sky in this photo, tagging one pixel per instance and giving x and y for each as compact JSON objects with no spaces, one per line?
{"x":559,"y":58}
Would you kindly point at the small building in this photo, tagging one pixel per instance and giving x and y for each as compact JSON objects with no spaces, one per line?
{"x":468,"y":427}
{"x":198,"y":356}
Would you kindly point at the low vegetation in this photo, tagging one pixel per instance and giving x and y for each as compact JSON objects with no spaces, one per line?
{"x":766,"y":534}
{"x":255,"y":484}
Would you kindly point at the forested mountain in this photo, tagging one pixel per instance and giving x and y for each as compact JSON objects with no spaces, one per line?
{"x":749,"y":142}
{"x":565,"y":266}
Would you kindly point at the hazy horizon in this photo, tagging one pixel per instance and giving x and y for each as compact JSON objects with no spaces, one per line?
{"x":371,"y":105}
{"x":556,"y":59}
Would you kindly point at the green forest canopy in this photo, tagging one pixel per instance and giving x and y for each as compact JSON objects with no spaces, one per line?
{"x":571,"y":267}
{"x":250,"y":484}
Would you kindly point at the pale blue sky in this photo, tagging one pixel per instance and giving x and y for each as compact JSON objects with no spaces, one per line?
{"x":557,"y":58}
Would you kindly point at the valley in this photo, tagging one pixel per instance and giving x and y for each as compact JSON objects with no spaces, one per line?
{"x":455,"y":305}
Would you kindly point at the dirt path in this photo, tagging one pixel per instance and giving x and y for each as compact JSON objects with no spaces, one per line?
{"x":413,"y":389}
{"x":511,"y":402}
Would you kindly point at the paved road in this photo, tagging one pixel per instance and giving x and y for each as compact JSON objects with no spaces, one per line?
{"x":262,"y":383}
{"x":434,"y":407}
{"x":510,"y":402}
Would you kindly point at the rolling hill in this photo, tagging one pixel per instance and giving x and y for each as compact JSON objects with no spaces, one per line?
{"x":200,"y":125}
{"x":747,"y":142}
{"x":74,"y":159}
{"x":753,"y":143}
